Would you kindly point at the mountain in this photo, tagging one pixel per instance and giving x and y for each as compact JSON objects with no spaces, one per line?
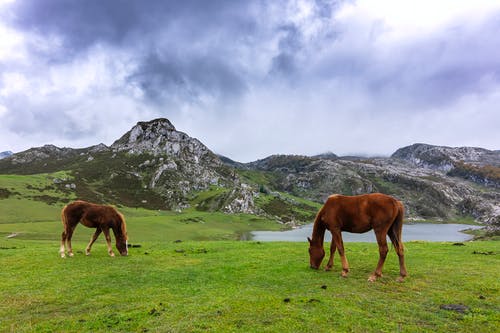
{"x":476,"y":164}
{"x":4,"y":154}
{"x":155,"y":166}
{"x":434,"y":182}
{"x":445,"y":158}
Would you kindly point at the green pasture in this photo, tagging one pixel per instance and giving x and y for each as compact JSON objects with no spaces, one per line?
{"x":31,"y":206}
{"x":187,"y":272}
{"x":141,"y":224}
{"x":236,"y":286}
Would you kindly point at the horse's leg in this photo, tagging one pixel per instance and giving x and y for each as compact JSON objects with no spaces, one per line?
{"x":108,"y":241}
{"x":337,"y":240}
{"x":63,"y":243}
{"x":69,"y":235}
{"x":332,"y":253}
{"x":382,"y":249}
{"x":92,"y":240}
{"x":398,"y":246}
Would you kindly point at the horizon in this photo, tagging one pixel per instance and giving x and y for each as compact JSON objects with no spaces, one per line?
{"x":251,"y":79}
{"x":357,"y":155}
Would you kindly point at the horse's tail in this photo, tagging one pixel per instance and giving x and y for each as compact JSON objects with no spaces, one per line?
{"x":64,"y":218}
{"x":396,"y":228}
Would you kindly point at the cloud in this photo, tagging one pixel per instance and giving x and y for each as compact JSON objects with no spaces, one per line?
{"x":297,"y":76}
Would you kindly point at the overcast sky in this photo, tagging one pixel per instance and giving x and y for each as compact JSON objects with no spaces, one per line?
{"x":252,"y":78}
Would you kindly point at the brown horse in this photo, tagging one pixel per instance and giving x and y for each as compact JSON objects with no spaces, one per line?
{"x":358,"y":214}
{"x":100,"y":217}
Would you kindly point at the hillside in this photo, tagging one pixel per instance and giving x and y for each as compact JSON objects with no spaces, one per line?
{"x":157,"y":167}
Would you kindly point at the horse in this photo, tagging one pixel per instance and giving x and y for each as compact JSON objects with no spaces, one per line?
{"x":358,"y":214}
{"x":91,"y":215}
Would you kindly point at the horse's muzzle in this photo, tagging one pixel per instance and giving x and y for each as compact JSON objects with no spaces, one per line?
{"x":313,"y":267}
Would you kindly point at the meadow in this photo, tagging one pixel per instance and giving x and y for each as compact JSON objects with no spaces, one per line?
{"x":187,"y":272}
{"x":231,"y":286}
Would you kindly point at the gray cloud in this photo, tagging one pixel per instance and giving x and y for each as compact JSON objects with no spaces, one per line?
{"x":246,"y":67}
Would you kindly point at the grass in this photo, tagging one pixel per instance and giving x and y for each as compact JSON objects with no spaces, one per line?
{"x":146,"y":225}
{"x":230,"y":286}
{"x":24,"y":213}
{"x":189,"y":274}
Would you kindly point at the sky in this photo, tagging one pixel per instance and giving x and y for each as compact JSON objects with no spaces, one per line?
{"x":252,"y":78}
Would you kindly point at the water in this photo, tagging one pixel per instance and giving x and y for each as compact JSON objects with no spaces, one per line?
{"x":411,"y":232}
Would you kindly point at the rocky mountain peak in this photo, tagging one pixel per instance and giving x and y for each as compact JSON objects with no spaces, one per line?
{"x":445,"y":158}
{"x":160,"y":137}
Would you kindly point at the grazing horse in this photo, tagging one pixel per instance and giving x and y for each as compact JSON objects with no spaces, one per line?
{"x":358,"y":214}
{"x":100,"y":217}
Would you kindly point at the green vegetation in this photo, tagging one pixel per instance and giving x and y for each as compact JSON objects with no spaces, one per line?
{"x":230,"y":286}
{"x":187,"y":273}
{"x":288,"y":207}
{"x":24,"y":215}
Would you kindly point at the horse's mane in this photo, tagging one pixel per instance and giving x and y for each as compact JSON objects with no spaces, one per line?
{"x":123,"y":225}
{"x":319,"y":228}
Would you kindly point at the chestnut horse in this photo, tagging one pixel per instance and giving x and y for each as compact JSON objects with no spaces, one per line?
{"x":100,"y":217}
{"x":358,"y":214}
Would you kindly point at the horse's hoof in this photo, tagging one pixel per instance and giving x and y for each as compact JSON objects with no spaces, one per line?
{"x":111,"y":254}
{"x":71,"y":254}
{"x":63,"y":255}
{"x":400,"y":279}
{"x":327,"y":269}
{"x":372,"y":278}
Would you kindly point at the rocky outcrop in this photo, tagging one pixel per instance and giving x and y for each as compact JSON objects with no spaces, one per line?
{"x":476,"y":164}
{"x":178,"y":165}
{"x":42,"y":153}
{"x":159,"y":137}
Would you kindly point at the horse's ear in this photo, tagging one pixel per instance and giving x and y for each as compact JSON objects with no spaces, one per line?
{"x":309,"y":239}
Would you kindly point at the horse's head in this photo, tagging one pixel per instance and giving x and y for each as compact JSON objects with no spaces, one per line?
{"x":316,"y":254}
{"x":122,"y":246}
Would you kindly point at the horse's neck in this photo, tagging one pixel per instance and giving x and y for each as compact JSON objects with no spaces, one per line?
{"x":117,"y":230}
{"x":318,"y":234}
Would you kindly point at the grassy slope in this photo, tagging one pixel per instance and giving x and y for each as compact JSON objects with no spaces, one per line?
{"x":32,"y":210}
{"x":244,"y":286}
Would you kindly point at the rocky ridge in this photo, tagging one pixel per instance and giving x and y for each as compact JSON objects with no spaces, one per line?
{"x":152,"y":165}
{"x":414,"y":175}
{"x":155,"y":166}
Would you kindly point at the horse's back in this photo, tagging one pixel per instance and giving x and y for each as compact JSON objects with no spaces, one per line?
{"x":87,"y":213}
{"x":73,"y":212}
{"x":361,"y":213}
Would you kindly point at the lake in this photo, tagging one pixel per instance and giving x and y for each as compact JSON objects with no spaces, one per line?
{"x":411,"y":232}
